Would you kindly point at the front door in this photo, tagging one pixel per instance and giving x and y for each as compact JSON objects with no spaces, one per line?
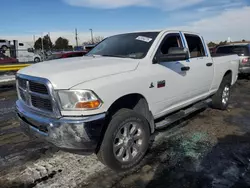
{"x":172,"y":84}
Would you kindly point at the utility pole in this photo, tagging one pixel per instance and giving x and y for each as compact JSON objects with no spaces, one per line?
{"x":76,"y":37}
{"x":49,"y":39}
{"x":34,"y":39}
{"x":92,"y":39}
{"x":42,"y":46}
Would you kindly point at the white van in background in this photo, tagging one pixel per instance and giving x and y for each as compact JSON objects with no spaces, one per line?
{"x":25,"y":53}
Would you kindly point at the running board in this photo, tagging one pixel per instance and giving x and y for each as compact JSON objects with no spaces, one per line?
{"x":181,"y":114}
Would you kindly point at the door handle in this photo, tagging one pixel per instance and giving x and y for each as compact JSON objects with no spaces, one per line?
{"x":185,"y":68}
{"x":209,"y":64}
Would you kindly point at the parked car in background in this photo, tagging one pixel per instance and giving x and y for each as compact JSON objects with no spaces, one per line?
{"x":212,"y":50}
{"x":55,"y":55}
{"x":73,"y":54}
{"x":89,"y":47}
{"x":242,"y":50}
{"x":4,"y":44}
{"x":7,"y":60}
{"x":25,"y":53}
{"x":110,"y":101}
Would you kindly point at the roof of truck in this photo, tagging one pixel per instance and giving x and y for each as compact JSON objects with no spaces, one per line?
{"x":163,"y":30}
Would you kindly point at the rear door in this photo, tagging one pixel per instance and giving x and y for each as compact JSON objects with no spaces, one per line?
{"x":201,"y":66}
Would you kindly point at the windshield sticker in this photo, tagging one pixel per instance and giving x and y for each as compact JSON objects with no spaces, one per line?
{"x":144,"y":39}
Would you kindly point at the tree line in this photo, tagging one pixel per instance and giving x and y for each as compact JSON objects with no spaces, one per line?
{"x":61,"y":43}
{"x":213,"y":44}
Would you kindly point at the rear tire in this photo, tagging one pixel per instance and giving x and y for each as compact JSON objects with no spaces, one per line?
{"x":221,"y":99}
{"x":126,"y":140}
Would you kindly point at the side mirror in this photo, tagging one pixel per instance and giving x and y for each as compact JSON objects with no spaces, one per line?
{"x":174,"y":54}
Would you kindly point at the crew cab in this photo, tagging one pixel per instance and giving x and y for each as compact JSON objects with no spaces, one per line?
{"x":110,"y":101}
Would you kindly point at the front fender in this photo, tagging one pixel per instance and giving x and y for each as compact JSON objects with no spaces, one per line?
{"x":113,"y":87}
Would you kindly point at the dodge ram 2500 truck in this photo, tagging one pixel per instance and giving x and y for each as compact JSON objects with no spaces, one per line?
{"x":110,"y":101}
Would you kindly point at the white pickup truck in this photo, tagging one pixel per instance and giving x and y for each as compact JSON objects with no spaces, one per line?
{"x":110,"y":101}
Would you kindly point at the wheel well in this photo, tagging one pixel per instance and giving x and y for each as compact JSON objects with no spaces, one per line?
{"x":136,"y":102}
{"x":127,"y":101}
{"x":229,"y":75}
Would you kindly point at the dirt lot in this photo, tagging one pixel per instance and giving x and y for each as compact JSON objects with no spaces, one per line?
{"x":211,"y":148}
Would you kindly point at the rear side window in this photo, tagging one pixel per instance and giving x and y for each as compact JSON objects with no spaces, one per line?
{"x":195,"y":46}
{"x":236,"y":49}
{"x":2,"y":41}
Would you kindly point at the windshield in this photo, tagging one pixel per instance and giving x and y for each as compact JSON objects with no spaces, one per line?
{"x":240,"y":50}
{"x":131,"y":45}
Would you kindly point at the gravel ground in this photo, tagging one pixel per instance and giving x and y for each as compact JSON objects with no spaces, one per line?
{"x":211,"y":148}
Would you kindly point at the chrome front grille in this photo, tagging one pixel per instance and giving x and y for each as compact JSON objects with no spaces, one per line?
{"x":37,"y":93}
{"x":22,"y":83}
{"x":38,"y":88}
{"x":44,"y":104}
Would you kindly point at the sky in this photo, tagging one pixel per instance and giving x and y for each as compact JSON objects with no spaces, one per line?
{"x":216,"y":20}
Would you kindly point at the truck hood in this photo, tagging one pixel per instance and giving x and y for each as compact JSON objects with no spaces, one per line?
{"x":66,"y":73}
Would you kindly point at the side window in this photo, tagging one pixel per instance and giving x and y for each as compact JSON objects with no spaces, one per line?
{"x":21,"y":44}
{"x":171,"y":40}
{"x":195,"y":46}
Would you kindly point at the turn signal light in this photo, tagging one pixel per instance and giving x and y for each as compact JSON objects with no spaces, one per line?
{"x":88,"y":105}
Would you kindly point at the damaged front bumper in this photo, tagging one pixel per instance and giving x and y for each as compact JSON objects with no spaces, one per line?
{"x":74,"y":134}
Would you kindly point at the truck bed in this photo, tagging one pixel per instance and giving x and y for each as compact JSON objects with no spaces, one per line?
{"x":222,"y":63}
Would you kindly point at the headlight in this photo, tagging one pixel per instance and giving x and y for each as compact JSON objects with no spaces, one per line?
{"x":78,"y":100}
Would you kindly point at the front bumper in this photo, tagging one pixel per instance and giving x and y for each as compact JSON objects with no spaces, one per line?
{"x":74,"y":134}
{"x":244,"y":70}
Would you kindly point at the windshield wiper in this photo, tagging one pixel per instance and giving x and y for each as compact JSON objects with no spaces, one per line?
{"x":121,"y":56}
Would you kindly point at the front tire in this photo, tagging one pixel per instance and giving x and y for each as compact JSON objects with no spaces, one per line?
{"x":4,"y":48}
{"x":221,"y":99}
{"x":126,"y":140}
{"x":37,"y":60}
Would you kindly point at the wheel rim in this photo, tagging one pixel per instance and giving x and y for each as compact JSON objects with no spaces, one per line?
{"x":226,"y":95}
{"x":36,"y":60}
{"x":128,"y":142}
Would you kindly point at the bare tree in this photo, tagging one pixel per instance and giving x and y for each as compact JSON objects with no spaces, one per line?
{"x":95,"y":40}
